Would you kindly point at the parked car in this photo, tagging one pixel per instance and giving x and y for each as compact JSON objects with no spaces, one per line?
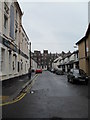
{"x":77,"y":75}
{"x":38,"y":71}
{"x":59,"y":72}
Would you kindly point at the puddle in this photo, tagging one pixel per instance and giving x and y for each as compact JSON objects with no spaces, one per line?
{"x":20,"y":80}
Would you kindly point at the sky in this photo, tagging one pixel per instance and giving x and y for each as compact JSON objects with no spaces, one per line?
{"x":54,"y":26}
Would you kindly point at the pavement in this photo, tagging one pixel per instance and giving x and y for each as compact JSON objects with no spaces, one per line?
{"x":12,"y":89}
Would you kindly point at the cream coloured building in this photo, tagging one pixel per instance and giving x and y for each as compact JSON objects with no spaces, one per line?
{"x":14,"y":43}
{"x":33,"y":64}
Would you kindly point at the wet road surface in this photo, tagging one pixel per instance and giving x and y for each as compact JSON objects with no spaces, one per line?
{"x":51,"y":96}
{"x":10,"y":87}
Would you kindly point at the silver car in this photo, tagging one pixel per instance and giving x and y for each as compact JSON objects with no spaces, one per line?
{"x":77,"y":75}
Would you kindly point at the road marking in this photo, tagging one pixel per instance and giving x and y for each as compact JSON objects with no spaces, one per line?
{"x":4,"y":97}
{"x":22,"y":95}
{"x":30,"y":86}
{"x":14,"y":101}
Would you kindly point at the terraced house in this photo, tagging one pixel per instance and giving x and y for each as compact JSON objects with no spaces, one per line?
{"x":14,"y":42}
{"x":67,"y":61}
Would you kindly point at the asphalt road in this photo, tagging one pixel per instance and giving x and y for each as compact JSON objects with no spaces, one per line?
{"x":51,"y":97}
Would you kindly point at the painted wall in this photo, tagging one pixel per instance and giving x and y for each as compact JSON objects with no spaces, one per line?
{"x":33,"y":64}
{"x":9,"y":58}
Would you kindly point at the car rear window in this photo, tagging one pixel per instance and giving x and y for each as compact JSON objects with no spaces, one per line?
{"x":76,"y":71}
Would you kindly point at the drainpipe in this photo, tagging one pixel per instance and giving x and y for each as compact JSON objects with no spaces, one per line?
{"x":30,"y":54}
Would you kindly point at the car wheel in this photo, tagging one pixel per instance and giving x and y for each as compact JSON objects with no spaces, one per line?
{"x":68,"y":80}
{"x":72,"y":80}
{"x":86,"y":82}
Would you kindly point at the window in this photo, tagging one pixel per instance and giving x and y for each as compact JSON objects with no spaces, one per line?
{"x":10,"y":61}
{"x":16,"y":34}
{"x":2,"y":60}
{"x":18,"y":67}
{"x":59,"y":66}
{"x":16,"y":14}
{"x":16,"y":63}
{"x":77,"y":55}
{"x":13,"y":65}
{"x":6,"y":7}
{"x":12,"y":21}
{"x":21,"y":65}
{"x":5,"y":21}
{"x":25,"y":67}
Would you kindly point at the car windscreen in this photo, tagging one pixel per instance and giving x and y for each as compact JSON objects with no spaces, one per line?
{"x":76,"y":72}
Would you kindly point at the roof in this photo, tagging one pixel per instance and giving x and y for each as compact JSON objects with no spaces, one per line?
{"x":18,"y":7}
{"x":86,"y":35}
{"x":83,"y":39}
{"x":33,"y":59}
{"x":70,"y":62}
{"x":88,"y":31}
{"x":25,"y":32}
{"x":77,"y":51}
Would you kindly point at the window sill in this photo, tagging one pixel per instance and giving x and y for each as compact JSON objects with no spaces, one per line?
{"x":16,"y":74}
{"x":10,"y":74}
{"x":3,"y":74}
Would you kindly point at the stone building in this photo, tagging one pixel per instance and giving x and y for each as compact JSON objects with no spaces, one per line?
{"x":14,"y":47}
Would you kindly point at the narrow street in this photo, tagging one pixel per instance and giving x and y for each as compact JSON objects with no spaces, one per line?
{"x":51,"y":96}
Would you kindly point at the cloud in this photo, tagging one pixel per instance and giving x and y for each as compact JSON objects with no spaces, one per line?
{"x":55,"y":26}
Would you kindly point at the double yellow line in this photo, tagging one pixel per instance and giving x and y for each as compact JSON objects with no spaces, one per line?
{"x":22,"y":95}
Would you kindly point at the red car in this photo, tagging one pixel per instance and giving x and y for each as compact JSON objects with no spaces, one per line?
{"x":38,"y":71}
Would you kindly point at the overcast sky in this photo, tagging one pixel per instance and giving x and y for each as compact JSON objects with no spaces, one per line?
{"x":55,"y":26}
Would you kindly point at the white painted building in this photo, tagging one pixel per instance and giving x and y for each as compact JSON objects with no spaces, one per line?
{"x":72,"y":61}
{"x":66,"y":60}
{"x":14,"y":53}
{"x":56,"y":63}
{"x":66,"y":63}
{"x":33,"y":64}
